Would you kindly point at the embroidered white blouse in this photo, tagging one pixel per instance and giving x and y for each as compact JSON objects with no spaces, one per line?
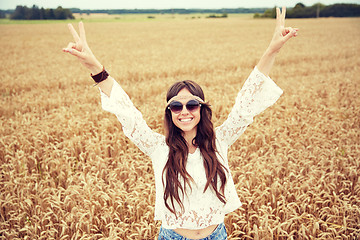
{"x":202,"y":209}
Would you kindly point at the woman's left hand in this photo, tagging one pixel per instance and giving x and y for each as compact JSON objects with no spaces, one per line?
{"x":281,"y":34}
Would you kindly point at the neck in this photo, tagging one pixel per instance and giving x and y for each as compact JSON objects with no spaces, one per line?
{"x":189,"y":136}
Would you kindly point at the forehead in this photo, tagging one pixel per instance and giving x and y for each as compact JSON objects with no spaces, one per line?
{"x":184,"y":93}
{"x":183,"y":96}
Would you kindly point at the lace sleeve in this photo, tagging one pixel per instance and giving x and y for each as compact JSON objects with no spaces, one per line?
{"x":258,"y":93}
{"x":133,"y":124}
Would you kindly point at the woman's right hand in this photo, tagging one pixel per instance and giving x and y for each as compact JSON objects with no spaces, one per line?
{"x":81,"y":50}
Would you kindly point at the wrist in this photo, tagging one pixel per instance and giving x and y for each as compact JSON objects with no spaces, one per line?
{"x":267,"y":61}
{"x":96,"y":68}
{"x":102,"y":76}
{"x":270,"y":52}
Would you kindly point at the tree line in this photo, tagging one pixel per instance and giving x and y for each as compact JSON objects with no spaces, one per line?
{"x":316,"y":10}
{"x":33,"y":13}
{"x":168,"y":11}
{"x":23,"y":12}
{"x":299,"y":11}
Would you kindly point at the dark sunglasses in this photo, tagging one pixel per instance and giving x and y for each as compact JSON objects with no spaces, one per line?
{"x":192,"y":105}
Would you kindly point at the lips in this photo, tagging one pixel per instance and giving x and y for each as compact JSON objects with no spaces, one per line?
{"x":185,"y":119}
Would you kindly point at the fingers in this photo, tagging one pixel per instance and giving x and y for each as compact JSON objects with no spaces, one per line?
{"x":283,"y":14}
{"x":82,"y":31}
{"x":280,"y":17}
{"x":290,"y":32}
{"x":73,"y":51}
{"x":277,"y":17}
{"x":71,"y":45}
{"x":73,"y":32}
{"x":71,"y":48}
{"x":286,"y":32}
{"x":77,"y":48}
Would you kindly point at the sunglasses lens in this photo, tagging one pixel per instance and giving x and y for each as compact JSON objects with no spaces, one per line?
{"x":192,"y":105}
{"x":176,"y":107}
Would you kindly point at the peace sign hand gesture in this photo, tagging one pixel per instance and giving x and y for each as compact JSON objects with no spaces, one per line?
{"x":81,"y":50}
{"x":281,"y":34}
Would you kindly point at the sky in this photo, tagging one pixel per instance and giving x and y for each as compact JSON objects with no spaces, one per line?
{"x":162,"y":4}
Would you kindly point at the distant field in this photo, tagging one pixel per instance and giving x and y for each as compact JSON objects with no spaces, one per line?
{"x":103,"y":17}
{"x":68,"y":172}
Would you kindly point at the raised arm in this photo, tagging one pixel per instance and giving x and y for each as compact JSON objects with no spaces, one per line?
{"x":80,"y":49}
{"x":259,"y":91}
{"x":281,"y":35}
{"x":113,"y":97}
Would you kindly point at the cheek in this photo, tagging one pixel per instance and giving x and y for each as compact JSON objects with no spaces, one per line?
{"x":198,"y":117}
{"x":173,"y":118}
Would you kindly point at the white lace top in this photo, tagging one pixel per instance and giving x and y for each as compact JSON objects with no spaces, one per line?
{"x":201,"y":209}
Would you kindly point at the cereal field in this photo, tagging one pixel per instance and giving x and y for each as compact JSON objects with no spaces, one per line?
{"x":68,"y":172}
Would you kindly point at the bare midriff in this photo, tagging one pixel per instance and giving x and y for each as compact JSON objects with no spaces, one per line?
{"x":196,"y":234}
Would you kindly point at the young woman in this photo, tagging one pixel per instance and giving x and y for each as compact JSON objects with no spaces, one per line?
{"x":194,"y":187}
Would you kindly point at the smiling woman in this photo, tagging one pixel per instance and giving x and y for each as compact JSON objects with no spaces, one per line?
{"x":194,"y":186}
{"x":190,"y":95}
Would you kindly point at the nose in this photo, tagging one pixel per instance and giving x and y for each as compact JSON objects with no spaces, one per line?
{"x":184,"y":111}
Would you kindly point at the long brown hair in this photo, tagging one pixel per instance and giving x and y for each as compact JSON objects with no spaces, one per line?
{"x":178,"y":151}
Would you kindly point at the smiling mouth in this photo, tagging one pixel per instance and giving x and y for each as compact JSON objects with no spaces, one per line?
{"x":185,"y":119}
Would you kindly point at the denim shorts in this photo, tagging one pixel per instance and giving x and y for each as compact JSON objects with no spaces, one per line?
{"x":218,"y":234}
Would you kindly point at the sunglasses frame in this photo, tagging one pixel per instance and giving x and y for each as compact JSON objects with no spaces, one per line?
{"x":182,"y":106}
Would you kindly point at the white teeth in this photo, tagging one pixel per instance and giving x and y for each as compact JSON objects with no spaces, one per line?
{"x":185,"y":120}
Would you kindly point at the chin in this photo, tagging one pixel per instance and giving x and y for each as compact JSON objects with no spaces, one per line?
{"x":187,"y":128}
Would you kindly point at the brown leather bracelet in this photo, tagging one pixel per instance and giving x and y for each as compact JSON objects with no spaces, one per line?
{"x":103,"y":75}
